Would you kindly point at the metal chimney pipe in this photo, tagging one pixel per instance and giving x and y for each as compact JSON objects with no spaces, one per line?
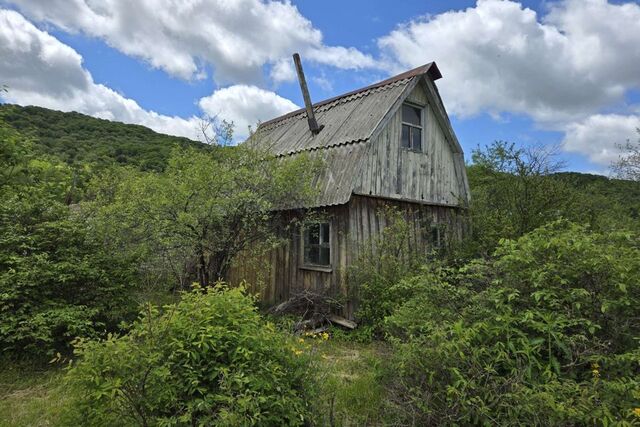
{"x":311,"y":117}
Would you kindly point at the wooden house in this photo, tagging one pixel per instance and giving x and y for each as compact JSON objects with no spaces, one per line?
{"x":388,"y":144}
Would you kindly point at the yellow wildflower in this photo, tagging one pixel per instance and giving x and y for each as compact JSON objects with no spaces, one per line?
{"x":297,"y":352}
{"x":301,"y":340}
{"x":636,"y":412}
{"x":325,"y":336}
{"x":595,"y":371}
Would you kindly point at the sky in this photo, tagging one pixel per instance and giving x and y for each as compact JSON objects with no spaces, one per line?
{"x":564,"y":72}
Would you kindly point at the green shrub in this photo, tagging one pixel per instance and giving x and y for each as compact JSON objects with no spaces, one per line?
{"x":56,"y":283}
{"x":208,"y":360}
{"x":547,"y":335}
{"x":380,"y":265}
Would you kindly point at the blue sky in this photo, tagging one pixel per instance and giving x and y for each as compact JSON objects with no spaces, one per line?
{"x":563,"y":72}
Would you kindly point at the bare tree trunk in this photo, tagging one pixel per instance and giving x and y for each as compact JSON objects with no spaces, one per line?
{"x":203,"y":274}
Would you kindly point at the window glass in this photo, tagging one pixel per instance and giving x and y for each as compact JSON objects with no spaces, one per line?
{"x":324,"y":256}
{"x":411,"y":115}
{"x":411,"y":136}
{"x":416,"y":139}
{"x":406,"y":142}
{"x":324,"y":232}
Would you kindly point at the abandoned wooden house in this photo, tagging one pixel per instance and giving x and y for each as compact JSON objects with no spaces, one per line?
{"x":388,"y":144}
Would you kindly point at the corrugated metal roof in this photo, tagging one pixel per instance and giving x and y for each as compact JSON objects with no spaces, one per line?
{"x":345,"y":120}
{"x":349,"y":121}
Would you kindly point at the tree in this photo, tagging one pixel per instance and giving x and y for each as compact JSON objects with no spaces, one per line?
{"x":213,"y":131}
{"x":628,"y":164}
{"x":205,"y":209}
{"x":56,"y":282}
{"x":514,"y":191}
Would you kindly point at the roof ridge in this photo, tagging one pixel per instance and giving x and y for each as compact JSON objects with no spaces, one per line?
{"x":319,"y":107}
{"x":431,"y":69}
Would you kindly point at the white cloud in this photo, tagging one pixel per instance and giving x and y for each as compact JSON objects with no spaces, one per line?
{"x":245,"y":106}
{"x":499,"y":56}
{"x":237,"y":37}
{"x":283,"y":71}
{"x":599,"y":135}
{"x":40,"y":70}
{"x":324,"y":83}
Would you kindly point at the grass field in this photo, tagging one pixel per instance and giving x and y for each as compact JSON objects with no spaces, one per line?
{"x":350,"y":393}
{"x":30,"y":395}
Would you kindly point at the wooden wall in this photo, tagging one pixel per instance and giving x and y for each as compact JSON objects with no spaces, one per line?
{"x":280,"y":273}
{"x":433,"y":175}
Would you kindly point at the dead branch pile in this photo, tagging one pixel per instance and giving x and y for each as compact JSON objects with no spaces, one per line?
{"x":314,"y":311}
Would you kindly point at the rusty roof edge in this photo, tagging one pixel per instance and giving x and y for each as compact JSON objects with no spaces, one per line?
{"x":431,"y":69}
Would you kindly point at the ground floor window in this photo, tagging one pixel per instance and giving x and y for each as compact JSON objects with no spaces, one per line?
{"x":438,"y":234}
{"x":317,"y":243}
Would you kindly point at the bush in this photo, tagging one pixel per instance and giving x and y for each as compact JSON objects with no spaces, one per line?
{"x":56,"y":283}
{"x":208,"y":360}
{"x":547,"y":335}
{"x":380,"y":265}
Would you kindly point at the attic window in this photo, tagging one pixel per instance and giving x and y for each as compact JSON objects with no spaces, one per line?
{"x":317,"y":244}
{"x":411,"y":138}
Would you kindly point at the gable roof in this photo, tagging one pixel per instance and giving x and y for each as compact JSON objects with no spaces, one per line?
{"x":349,"y":122}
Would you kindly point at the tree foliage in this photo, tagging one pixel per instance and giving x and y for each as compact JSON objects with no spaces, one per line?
{"x":516,"y":190}
{"x":628,"y":164}
{"x":206,"y":208}
{"x":55,"y":281}
{"x":513,"y":192}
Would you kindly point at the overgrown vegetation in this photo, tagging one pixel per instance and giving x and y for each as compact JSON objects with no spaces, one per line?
{"x":203,"y":210}
{"x":532,"y":320}
{"x":56,"y":281}
{"x":545,"y":333}
{"x":375,"y":277}
{"x":72,"y":262}
{"x":208,"y":360}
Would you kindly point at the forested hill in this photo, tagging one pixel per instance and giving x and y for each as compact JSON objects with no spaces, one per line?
{"x":78,"y":138}
{"x":608,"y":190}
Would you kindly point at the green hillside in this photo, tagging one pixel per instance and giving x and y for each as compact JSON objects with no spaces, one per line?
{"x":623,"y":192}
{"x":78,"y":138}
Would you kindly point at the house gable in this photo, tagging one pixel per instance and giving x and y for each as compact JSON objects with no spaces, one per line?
{"x":433,"y":176}
{"x":359,"y":144}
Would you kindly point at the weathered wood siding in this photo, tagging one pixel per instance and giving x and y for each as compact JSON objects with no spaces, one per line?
{"x":431,"y":176}
{"x":280,"y":273}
